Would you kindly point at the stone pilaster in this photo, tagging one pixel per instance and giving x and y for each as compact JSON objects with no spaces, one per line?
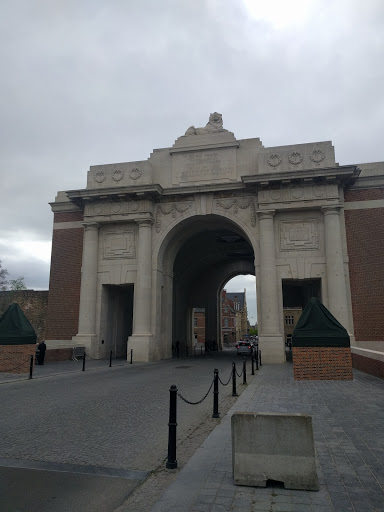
{"x":142,"y":335}
{"x":87,"y":311}
{"x":270,"y":339}
{"x":337,"y":292}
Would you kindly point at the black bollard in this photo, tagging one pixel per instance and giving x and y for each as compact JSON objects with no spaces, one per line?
{"x":131,"y":355}
{"x":244,"y":371}
{"x":84,"y":361}
{"x":110,"y":359}
{"x":215,"y":394}
{"x":172,"y":424}
{"x":31,"y":367}
{"x":234,"y":393}
{"x":253,"y":364}
{"x":257,"y":358}
{"x":201,"y":350}
{"x":260,"y":358}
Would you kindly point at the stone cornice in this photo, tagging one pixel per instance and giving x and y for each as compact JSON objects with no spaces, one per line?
{"x":79,"y":197}
{"x":344,"y":175}
{"x":364,"y":182}
{"x":203,"y":147}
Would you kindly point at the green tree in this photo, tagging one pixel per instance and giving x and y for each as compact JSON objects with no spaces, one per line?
{"x":3,"y":277}
{"x":18,"y":283}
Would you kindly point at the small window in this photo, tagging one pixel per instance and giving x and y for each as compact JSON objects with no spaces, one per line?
{"x":225,"y":322}
{"x":195,"y":322}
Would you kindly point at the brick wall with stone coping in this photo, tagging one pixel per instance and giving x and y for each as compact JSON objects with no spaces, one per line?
{"x":368,"y":361}
{"x":322,"y":363}
{"x":16,"y":358}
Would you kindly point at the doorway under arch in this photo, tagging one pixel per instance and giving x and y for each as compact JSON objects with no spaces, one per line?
{"x":200,"y":254}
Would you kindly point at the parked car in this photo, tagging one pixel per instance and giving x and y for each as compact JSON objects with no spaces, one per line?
{"x":244,"y":348}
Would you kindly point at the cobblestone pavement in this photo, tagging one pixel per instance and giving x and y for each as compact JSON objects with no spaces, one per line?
{"x":112,"y":417}
{"x":348,"y":421}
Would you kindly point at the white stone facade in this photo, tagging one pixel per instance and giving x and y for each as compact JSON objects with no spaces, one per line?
{"x":177,"y":226}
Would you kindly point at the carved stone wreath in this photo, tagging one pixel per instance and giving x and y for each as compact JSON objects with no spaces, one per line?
{"x":317,"y":156}
{"x":135,"y":174}
{"x":274,"y":160}
{"x":236,"y":204}
{"x":170,"y":208}
{"x":295,"y":158}
{"x":117,"y":175}
{"x":100,"y":177}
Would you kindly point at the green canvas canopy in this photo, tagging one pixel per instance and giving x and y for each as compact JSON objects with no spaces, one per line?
{"x":15,"y":328}
{"x":317,"y":327}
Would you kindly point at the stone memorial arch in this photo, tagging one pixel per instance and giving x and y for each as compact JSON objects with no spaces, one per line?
{"x":148,"y":241}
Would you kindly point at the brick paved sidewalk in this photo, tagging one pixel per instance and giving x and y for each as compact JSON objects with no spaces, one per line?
{"x":348,"y":421}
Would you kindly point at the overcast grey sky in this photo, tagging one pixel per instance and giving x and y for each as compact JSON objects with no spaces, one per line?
{"x":87,"y":82}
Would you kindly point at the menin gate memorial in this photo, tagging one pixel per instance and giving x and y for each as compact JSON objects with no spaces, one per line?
{"x":147,"y":241}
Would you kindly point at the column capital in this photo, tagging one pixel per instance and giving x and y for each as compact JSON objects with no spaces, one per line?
{"x":332,"y":209}
{"x":266,"y":214}
{"x":89,"y":226}
{"x":144,"y":222}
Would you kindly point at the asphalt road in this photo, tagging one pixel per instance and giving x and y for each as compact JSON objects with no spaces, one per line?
{"x":112,"y":418}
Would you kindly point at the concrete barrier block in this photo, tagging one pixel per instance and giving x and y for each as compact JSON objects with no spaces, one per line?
{"x":273,"y":446}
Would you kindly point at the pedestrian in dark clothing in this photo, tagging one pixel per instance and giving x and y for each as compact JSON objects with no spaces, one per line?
{"x":41,"y":348}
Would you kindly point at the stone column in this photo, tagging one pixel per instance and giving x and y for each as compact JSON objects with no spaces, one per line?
{"x":88,"y":288}
{"x":337,"y":291}
{"x":141,"y":338}
{"x":143,"y":289}
{"x":270,"y":339}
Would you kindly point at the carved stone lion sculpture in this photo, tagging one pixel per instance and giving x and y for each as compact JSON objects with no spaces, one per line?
{"x":214,"y":124}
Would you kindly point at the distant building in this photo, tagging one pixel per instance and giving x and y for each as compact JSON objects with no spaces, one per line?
{"x":239,"y":301}
{"x":199,"y":325}
{"x":291,"y":317}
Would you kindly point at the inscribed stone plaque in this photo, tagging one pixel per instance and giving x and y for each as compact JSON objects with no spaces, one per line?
{"x":204,"y":165}
{"x":119,"y":244}
{"x":299,"y":235}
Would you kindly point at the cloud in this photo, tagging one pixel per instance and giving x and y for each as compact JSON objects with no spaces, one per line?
{"x":94,"y":82}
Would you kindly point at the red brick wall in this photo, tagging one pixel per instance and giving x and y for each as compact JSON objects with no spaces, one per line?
{"x":64,"y":284}
{"x":364,"y":194}
{"x":322,"y":363}
{"x":16,"y":358}
{"x":58,"y":354}
{"x":365,"y":240}
{"x":368,"y":365}
{"x":68,"y":217}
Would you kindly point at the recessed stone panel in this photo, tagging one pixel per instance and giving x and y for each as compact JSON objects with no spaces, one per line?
{"x":299,"y":235}
{"x":119,"y":244}
{"x":208,"y":165}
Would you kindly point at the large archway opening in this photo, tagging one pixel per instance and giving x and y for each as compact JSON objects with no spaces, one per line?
{"x":210,"y":251}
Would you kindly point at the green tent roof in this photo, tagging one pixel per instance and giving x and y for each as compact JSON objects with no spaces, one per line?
{"x":317,"y":327}
{"x":15,"y":328}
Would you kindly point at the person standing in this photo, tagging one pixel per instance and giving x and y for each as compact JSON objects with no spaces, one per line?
{"x":41,"y":348}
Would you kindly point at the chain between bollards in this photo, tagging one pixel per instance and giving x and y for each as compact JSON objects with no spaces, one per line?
{"x":244,"y":371}
{"x":31,"y":367}
{"x":215,"y":394}
{"x":234,"y":393}
{"x":83,"y":361}
{"x":172,"y":424}
{"x":110,"y":359}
